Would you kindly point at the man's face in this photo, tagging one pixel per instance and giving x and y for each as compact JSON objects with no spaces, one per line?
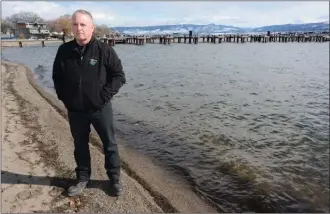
{"x":82,"y":27}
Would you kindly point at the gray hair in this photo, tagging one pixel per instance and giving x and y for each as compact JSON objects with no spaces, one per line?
{"x":83,"y":12}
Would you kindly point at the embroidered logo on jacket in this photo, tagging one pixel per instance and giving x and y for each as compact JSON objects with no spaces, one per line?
{"x":92,"y":61}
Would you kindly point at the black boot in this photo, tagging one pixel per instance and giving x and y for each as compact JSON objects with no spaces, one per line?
{"x":78,"y":188}
{"x":116,"y":187}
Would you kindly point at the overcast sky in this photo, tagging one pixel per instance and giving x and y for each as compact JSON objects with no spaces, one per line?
{"x":128,"y":13}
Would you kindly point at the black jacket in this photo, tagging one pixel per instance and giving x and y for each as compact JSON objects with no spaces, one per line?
{"x":86,"y":81}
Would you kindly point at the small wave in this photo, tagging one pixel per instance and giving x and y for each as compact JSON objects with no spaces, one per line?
{"x":40,"y":71}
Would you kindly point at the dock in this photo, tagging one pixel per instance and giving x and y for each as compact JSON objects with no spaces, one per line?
{"x":217,"y":39}
{"x":192,"y":39}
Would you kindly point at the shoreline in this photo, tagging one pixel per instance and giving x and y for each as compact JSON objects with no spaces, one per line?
{"x":169,"y":193}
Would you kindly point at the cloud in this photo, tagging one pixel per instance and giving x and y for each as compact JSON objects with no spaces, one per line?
{"x":52,"y":10}
{"x":43,"y":9}
{"x":141,"y":13}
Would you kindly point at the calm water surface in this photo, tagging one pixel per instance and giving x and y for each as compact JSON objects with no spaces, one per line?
{"x":246,"y":124}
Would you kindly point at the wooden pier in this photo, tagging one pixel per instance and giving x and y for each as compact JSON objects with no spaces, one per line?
{"x":192,"y":39}
{"x":216,"y":39}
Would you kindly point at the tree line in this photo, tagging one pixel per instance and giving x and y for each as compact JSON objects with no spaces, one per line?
{"x":60,"y":24}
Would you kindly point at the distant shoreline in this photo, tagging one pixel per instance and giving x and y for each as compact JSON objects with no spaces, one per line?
{"x":26,"y":42}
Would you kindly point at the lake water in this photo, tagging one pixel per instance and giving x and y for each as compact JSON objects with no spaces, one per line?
{"x":246,"y":124}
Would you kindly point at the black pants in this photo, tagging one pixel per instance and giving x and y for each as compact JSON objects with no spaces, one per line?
{"x":102,"y":121}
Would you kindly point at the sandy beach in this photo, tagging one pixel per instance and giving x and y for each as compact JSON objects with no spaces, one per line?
{"x":38,"y":163}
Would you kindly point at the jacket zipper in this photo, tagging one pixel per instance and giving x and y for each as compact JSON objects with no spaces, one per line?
{"x":80,"y":84}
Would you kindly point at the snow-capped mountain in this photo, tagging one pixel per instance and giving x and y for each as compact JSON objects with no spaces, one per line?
{"x":181,"y":29}
{"x":220,"y":29}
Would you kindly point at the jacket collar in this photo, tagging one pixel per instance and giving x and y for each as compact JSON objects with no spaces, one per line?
{"x":75,"y":44}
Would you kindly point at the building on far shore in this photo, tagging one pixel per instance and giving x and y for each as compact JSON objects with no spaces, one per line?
{"x":27,"y":30}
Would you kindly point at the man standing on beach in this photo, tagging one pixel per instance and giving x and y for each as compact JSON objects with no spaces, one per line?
{"x":87,"y":73}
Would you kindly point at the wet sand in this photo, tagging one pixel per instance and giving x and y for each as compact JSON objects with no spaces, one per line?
{"x":38,"y":163}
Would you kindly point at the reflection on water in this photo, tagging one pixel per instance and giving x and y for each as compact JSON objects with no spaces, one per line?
{"x":246,"y":124}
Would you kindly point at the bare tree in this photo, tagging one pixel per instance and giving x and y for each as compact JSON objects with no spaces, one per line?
{"x":5,"y":26}
{"x":51,"y":25}
{"x":63,"y":23}
{"x":24,"y":17}
{"x":101,"y":30}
